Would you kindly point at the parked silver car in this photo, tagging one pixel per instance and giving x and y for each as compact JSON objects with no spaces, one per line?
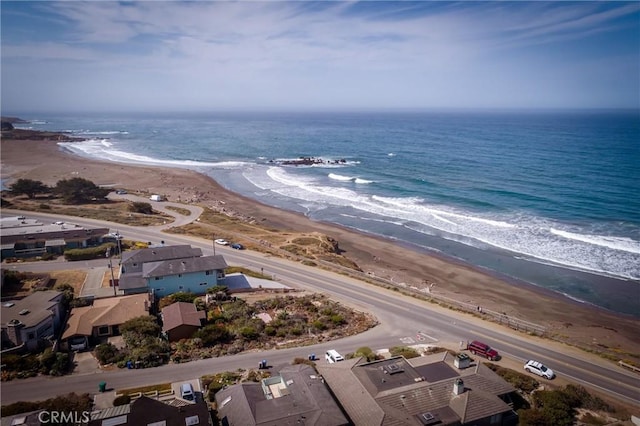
{"x":540,"y":369}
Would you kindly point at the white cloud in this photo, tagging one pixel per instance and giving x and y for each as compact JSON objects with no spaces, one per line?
{"x":287,"y":54}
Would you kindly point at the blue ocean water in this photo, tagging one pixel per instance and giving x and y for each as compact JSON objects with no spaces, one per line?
{"x":551,"y":198}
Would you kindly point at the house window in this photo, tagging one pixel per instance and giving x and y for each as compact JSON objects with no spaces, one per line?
{"x":180,"y":288}
{"x":158,"y":278}
{"x":31,"y":336}
{"x":496,"y":419}
{"x":103,"y":331}
{"x":208,"y":272}
{"x":135,"y":264}
{"x":203,"y":283}
{"x":179,"y":275}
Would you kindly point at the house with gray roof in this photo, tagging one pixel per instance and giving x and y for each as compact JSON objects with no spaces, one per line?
{"x":295,"y":395}
{"x":31,"y":321}
{"x":145,"y":411}
{"x":430,"y":390}
{"x":194,"y":275}
{"x":24,"y":237}
{"x":140,"y":267}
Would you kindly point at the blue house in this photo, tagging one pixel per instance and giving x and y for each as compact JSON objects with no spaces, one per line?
{"x":131,"y":280}
{"x":194,"y":275}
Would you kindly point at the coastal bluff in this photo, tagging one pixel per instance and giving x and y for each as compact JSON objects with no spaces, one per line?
{"x":10,"y":132}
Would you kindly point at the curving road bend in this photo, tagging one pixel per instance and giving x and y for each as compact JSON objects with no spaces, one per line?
{"x":403,"y":320}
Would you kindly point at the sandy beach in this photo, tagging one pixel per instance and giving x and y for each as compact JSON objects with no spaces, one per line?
{"x":569,"y":321}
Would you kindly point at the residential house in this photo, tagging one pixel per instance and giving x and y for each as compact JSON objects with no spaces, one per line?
{"x":130,"y":274}
{"x":180,"y":320}
{"x":194,"y":275}
{"x":420,"y":391}
{"x":105,"y":316}
{"x":31,"y":321}
{"x":31,"y":418}
{"x":150,"y":412}
{"x":30,"y":237}
{"x":295,"y":395}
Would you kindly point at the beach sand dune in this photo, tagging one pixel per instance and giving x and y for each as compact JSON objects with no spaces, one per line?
{"x":569,"y":321}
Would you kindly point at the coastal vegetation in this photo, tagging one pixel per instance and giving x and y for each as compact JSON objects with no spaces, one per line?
{"x":99,"y":208}
{"x":233,"y":325}
{"x":555,"y":405}
{"x":76,"y":190}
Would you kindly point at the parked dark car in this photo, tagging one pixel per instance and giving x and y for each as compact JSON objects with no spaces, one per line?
{"x":237,"y":246}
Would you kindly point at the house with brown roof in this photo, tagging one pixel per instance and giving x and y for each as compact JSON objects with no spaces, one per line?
{"x":295,"y":395}
{"x":180,"y":320}
{"x":430,"y":390}
{"x":31,"y":321}
{"x":105,"y":316}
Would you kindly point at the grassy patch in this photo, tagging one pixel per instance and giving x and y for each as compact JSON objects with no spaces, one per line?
{"x":179,"y":210}
{"x":112,"y":211}
{"x":245,"y":271}
{"x":163,"y":387}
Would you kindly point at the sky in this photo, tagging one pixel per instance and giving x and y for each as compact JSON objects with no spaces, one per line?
{"x":104,"y":56}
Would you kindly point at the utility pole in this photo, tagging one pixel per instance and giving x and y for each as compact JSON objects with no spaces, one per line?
{"x":113,"y":280}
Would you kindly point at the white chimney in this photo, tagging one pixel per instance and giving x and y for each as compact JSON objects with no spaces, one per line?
{"x":458,"y":387}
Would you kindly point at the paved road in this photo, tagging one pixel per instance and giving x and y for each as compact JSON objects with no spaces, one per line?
{"x":163,"y":206}
{"x":403,"y":321}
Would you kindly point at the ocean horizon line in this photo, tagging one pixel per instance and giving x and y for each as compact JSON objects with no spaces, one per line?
{"x":304,"y":111}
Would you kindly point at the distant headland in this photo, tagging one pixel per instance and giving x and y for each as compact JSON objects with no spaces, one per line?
{"x":10,"y":132}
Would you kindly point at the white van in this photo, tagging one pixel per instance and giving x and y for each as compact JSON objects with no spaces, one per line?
{"x":333,"y":356}
{"x":186,"y":392}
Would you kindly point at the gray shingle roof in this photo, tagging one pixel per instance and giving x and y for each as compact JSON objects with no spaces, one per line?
{"x":160,"y":253}
{"x":35,"y":307}
{"x":306,"y":400}
{"x":183,"y":266}
{"x":397,"y":391}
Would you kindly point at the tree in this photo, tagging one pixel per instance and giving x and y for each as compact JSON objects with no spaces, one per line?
{"x":140,"y":207}
{"x":29,"y":187}
{"x":78,"y":190}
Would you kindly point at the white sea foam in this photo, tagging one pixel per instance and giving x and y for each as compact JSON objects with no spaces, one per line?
{"x":362,"y":181}
{"x":615,"y":243}
{"x":523,"y":235}
{"x":103,"y":149}
{"x":107,"y":132}
{"x":340,"y":177}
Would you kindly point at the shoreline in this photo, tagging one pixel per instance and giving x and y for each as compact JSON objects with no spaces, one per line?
{"x":581,"y":322}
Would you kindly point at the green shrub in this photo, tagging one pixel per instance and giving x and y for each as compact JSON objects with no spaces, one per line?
{"x":89,"y":253}
{"x":121,"y":400}
{"x":141,"y":207}
{"x":404,"y":351}
{"x":107,"y":353}
{"x":517,"y":379}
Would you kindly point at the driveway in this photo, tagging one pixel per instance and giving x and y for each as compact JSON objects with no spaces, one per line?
{"x":179,"y":219}
{"x":85,"y":363}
